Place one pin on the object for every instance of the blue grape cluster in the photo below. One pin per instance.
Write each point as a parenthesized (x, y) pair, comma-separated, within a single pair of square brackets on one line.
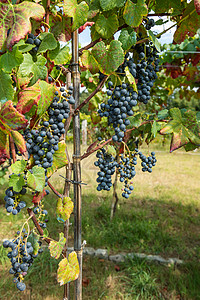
[(13, 203), (33, 40), (126, 169), (21, 257), (147, 162), (149, 23), (42, 213), (122, 99), (42, 143), (107, 166)]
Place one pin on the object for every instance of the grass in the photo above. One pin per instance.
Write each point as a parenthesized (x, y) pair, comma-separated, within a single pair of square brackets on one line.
[(161, 217)]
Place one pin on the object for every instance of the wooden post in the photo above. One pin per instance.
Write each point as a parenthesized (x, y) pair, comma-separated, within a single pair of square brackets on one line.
[(84, 132)]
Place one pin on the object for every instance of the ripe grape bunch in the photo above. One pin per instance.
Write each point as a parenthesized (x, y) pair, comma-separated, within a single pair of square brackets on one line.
[(119, 106), (43, 142), (21, 257), (13, 203), (33, 40), (107, 165), (42, 213), (143, 63)]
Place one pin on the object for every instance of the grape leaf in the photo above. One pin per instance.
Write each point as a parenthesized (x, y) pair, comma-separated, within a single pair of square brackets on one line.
[(68, 269), (60, 56), (64, 208), (39, 196), (189, 25), (33, 239), (28, 97), (111, 150), (127, 39), (56, 248), (47, 94), (110, 4), (6, 88), (23, 47), (77, 11), (166, 5), (16, 182), (59, 159), (197, 6), (131, 79), (106, 26), (36, 179), (181, 129), (89, 62), (10, 118), (19, 166), (19, 141), (4, 147), (48, 42), (134, 13), (108, 59), (37, 69), (17, 19), (154, 40), (10, 60)]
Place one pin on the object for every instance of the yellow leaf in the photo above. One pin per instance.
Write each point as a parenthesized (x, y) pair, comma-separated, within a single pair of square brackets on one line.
[(68, 269)]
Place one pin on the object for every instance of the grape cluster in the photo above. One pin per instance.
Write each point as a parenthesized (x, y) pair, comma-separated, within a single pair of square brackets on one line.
[(33, 40), (42, 213), (147, 162), (126, 169), (119, 106), (149, 23), (13, 203), (107, 165), (21, 257), (42, 143)]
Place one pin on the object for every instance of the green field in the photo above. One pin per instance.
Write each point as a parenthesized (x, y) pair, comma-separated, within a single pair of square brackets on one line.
[(161, 217)]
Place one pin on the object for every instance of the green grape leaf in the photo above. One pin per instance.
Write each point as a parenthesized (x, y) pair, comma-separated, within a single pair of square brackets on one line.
[(10, 118), (111, 150), (111, 4), (17, 19), (154, 40), (45, 233), (33, 239), (23, 47), (89, 62), (107, 26), (134, 12), (127, 40), (47, 94), (166, 5), (36, 179), (108, 59), (19, 166), (4, 147), (78, 12), (59, 159), (16, 182), (68, 269), (37, 70), (6, 89), (163, 114), (48, 42), (189, 25), (56, 248), (28, 97), (19, 141), (184, 129), (60, 56), (131, 79), (10, 60), (64, 208)]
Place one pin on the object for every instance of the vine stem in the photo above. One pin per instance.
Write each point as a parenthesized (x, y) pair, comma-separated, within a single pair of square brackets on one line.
[(91, 95), (32, 215), (54, 190), (12, 146)]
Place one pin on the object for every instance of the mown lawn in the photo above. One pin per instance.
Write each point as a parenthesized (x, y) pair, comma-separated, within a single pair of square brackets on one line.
[(161, 217)]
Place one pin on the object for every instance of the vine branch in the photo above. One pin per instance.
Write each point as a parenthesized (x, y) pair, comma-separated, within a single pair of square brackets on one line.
[(91, 95), (12, 146), (54, 190)]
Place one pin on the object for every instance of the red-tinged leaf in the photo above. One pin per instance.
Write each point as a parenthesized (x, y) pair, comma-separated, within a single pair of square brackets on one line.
[(10, 118), (56, 248), (4, 147), (28, 97), (92, 146), (19, 141), (197, 6), (82, 28), (189, 25), (38, 197), (47, 94), (17, 19), (191, 72), (68, 269), (178, 140)]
